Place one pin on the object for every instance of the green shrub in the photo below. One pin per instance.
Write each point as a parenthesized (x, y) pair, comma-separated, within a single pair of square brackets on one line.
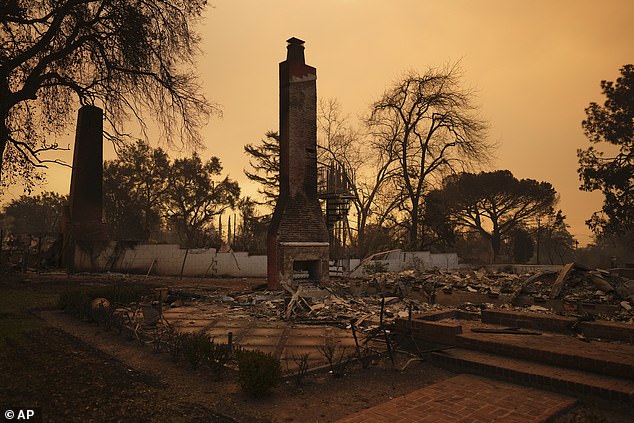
[(194, 348), (259, 372), (217, 357), (175, 341), (199, 351)]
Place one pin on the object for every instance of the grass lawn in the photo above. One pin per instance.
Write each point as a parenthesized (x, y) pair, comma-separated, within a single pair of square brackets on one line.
[(16, 304)]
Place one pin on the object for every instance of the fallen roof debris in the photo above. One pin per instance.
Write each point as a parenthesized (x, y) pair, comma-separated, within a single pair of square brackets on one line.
[(574, 290)]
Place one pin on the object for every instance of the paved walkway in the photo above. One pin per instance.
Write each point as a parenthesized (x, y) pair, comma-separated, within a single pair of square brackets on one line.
[(467, 398), (284, 340)]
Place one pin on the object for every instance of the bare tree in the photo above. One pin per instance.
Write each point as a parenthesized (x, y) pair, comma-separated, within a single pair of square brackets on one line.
[(338, 140), (131, 58), (430, 126), (366, 163)]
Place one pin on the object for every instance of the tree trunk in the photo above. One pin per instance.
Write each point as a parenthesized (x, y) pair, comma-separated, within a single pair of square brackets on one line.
[(362, 217), (495, 243), (4, 131), (4, 115), (3, 145), (413, 230), (361, 247)]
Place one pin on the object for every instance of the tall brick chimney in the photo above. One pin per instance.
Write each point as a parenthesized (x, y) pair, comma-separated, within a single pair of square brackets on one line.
[(297, 243), (86, 192), (83, 216)]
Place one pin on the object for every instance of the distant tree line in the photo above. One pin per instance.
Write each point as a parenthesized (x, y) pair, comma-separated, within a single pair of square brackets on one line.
[(29, 224), (34, 215), (146, 195)]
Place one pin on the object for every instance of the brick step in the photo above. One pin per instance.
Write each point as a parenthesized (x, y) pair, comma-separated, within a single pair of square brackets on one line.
[(613, 331), (558, 350), (536, 374)]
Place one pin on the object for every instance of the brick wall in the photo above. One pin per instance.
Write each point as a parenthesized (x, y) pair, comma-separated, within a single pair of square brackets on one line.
[(430, 331), (547, 322), (614, 331)]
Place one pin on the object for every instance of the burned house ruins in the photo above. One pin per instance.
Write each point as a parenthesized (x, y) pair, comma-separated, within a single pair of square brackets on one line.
[(297, 241)]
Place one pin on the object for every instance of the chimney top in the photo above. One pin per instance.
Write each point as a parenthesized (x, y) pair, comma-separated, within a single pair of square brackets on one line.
[(295, 40), (295, 50)]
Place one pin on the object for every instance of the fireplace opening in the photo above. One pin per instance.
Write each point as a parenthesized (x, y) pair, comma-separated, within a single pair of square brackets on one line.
[(307, 270)]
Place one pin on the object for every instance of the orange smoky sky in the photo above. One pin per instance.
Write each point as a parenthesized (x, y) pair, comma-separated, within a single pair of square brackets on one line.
[(534, 65)]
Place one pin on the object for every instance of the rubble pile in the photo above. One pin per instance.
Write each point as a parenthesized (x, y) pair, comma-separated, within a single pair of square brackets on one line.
[(538, 285), (360, 300), (423, 285), (598, 286), (337, 304), (334, 305), (532, 291), (477, 281)]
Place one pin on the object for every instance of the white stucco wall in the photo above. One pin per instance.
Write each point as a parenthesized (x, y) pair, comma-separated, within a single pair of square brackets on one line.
[(168, 260), (396, 261)]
